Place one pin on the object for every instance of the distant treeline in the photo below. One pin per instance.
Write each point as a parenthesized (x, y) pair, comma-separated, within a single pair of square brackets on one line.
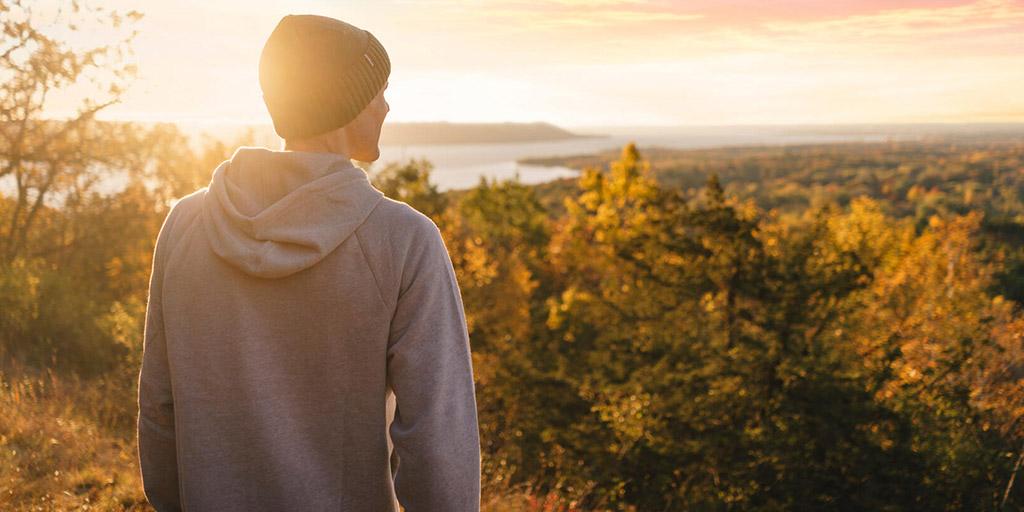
[(915, 180), (968, 175)]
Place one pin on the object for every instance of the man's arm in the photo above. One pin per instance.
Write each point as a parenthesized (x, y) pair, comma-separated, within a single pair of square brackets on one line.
[(157, 450), (435, 431)]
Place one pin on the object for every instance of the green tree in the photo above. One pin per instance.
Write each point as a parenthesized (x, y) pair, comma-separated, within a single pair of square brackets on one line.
[(410, 183)]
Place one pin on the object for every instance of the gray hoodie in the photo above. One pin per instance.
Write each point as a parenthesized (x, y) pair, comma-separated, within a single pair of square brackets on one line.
[(305, 348)]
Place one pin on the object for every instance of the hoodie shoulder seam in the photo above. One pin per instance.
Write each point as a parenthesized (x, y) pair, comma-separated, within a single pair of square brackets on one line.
[(180, 209), (369, 264)]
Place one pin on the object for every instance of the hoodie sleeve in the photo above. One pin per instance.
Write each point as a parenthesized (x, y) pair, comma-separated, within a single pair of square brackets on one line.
[(157, 450), (435, 431)]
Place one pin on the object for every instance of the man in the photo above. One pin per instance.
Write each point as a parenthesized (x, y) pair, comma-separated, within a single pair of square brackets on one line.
[(291, 306)]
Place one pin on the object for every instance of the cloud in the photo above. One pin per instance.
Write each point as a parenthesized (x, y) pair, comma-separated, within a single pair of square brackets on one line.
[(595, 18), (621, 61), (569, 14), (593, 3)]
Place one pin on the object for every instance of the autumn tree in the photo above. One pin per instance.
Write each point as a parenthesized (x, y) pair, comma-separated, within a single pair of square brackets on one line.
[(49, 160), (69, 184), (718, 354), (409, 182)]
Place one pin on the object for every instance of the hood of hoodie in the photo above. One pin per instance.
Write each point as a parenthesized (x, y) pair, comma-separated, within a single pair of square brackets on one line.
[(274, 213)]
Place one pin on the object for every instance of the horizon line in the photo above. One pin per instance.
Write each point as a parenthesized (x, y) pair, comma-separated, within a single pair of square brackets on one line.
[(880, 123)]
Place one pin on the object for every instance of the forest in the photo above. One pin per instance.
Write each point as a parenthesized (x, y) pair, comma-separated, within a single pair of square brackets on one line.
[(833, 327)]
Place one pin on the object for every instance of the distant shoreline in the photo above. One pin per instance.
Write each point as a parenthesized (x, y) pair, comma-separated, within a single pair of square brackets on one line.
[(402, 134), (653, 152), (431, 133), (445, 133)]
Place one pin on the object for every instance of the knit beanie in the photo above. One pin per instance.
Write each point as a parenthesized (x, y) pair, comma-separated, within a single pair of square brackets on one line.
[(318, 73)]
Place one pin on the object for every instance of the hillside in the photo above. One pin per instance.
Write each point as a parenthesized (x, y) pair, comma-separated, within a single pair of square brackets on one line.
[(471, 133)]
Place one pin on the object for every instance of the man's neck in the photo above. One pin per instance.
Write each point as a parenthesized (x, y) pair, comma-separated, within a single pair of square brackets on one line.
[(335, 145)]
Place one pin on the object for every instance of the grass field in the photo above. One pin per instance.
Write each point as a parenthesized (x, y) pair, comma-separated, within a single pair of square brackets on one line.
[(68, 444)]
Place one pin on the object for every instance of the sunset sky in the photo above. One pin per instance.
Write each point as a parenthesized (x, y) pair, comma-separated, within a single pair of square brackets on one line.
[(611, 62)]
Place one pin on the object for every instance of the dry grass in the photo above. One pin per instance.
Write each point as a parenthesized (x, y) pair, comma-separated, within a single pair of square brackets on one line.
[(69, 444), (524, 499), (65, 445)]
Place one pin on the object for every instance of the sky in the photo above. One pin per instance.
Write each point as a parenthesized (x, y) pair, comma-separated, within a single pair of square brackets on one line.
[(607, 62)]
